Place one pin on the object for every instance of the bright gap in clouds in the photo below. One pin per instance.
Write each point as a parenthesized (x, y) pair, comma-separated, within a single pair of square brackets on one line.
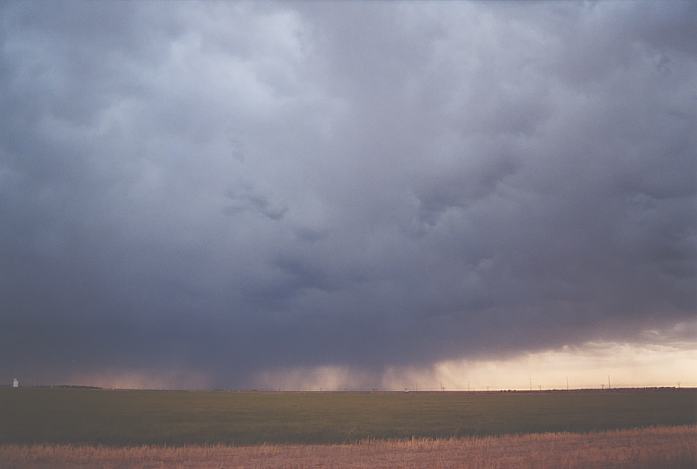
[(657, 358), (586, 366)]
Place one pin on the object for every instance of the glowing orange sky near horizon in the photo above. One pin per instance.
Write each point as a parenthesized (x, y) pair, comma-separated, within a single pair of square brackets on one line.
[(589, 366), (586, 366)]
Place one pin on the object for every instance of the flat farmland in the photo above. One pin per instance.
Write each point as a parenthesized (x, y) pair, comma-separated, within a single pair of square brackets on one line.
[(645, 448), (176, 418)]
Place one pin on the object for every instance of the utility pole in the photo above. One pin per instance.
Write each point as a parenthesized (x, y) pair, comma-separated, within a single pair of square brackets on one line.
[(567, 383), (608, 382)]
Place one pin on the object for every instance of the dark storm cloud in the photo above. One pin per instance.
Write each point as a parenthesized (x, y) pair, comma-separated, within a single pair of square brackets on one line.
[(230, 188)]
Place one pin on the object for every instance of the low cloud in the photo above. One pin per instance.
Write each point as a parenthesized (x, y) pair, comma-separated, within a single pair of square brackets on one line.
[(230, 190)]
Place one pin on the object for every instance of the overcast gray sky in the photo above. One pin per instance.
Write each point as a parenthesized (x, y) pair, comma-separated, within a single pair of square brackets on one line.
[(229, 188)]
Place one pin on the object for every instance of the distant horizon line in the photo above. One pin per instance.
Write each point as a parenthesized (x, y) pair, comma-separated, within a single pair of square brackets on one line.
[(485, 389)]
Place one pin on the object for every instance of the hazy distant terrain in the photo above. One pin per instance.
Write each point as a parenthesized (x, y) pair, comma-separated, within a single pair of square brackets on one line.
[(105, 417)]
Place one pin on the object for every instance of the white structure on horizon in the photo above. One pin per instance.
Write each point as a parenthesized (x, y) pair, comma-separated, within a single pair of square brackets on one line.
[(15, 383)]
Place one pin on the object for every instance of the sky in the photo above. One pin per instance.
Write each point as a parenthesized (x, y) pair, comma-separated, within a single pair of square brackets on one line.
[(348, 194)]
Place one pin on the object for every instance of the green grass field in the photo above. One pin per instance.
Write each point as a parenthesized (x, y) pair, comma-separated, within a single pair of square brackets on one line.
[(60, 415)]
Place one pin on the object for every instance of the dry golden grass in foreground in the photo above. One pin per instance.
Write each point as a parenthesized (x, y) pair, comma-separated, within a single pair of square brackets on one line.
[(674, 447)]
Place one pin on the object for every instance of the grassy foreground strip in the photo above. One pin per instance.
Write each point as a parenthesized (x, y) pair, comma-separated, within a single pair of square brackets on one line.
[(674, 447), (132, 418)]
